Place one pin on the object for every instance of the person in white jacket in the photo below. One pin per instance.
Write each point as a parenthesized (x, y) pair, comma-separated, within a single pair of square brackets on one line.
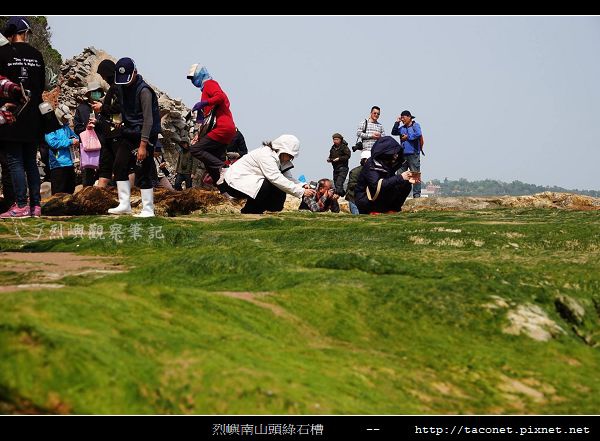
[(263, 177)]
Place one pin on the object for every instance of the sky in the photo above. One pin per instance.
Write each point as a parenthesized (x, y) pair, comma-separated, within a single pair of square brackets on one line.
[(497, 97)]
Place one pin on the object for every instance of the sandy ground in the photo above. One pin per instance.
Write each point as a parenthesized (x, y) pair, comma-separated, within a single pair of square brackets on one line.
[(44, 270)]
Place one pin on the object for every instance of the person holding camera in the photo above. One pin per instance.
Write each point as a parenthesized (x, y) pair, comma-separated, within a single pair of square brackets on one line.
[(369, 131), (379, 189), (325, 198), (22, 64), (339, 154), (263, 177)]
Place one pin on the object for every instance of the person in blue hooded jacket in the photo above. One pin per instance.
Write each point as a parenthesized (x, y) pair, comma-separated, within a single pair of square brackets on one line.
[(60, 141), (379, 189)]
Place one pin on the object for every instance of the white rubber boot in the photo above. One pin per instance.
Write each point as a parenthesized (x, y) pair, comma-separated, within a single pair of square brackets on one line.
[(147, 203), (124, 206)]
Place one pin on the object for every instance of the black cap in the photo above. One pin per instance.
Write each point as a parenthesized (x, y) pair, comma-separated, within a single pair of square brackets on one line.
[(15, 25), (124, 70), (407, 113)]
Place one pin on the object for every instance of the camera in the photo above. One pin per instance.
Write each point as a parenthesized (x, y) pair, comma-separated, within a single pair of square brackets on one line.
[(358, 146), (313, 185)]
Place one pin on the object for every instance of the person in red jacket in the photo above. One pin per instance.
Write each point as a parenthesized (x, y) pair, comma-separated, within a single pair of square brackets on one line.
[(210, 149)]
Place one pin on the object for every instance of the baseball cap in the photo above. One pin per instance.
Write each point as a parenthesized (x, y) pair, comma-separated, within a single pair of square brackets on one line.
[(16, 24), (124, 70)]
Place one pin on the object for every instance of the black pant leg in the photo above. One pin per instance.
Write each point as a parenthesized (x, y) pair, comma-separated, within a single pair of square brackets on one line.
[(339, 177), (211, 154), (269, 198)]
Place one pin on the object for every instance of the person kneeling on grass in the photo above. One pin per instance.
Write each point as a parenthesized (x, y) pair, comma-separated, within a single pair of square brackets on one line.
[(379, 189), (263, 177)]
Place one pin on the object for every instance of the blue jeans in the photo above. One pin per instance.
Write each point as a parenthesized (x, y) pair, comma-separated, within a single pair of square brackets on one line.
[(412, 163), (21, 161), (353, 208)]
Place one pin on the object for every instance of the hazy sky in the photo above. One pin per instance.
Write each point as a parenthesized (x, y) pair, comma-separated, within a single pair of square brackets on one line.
[(507, 98)]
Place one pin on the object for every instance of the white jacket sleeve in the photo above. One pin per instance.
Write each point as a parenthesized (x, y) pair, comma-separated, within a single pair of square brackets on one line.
[(270, 169)]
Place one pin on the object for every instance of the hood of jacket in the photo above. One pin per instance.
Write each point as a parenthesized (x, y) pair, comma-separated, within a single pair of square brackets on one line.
[(385, 146), (287, 144)]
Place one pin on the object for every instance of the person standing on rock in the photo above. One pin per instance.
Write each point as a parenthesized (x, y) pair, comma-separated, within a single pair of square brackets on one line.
[(141, 126), (410, 137), (22, 64), (211, 147), (186, 165), (87, 117), (11, 93), (109, 121), (339, 155), (60, 142)]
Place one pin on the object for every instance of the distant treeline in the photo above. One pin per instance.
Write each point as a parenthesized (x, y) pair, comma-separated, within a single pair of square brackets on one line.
[(490, 187)]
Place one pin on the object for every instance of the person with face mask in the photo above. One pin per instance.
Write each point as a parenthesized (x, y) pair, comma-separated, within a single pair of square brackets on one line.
[(86, 117), (22, 64), (263, 176), (379, 189), (139, 134), (210, 149)]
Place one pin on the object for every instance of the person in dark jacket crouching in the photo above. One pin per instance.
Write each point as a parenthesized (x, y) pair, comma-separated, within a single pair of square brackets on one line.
[(379, 189)]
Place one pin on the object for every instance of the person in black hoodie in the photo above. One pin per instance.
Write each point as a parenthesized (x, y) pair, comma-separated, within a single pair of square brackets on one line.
[(339, 156), (24, 65), (110, 122), (379, 189)]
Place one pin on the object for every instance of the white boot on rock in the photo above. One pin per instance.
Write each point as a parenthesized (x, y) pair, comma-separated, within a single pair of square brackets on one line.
[(147, 203), (124, 206)]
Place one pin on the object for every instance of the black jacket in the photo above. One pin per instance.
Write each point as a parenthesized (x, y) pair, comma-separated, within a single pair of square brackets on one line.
[(82, 116), (375, 169), (238, 144), (342, 152), (32, 75)]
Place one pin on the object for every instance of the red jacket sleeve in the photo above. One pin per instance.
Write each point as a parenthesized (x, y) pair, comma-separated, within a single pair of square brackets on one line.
[(212, 93)]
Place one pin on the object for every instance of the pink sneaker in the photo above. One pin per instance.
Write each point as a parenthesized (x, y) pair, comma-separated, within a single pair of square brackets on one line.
[(15, 211), (36, 211)]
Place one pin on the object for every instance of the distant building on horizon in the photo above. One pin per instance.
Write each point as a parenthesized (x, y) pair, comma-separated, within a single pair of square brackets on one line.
[(430, 190)]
